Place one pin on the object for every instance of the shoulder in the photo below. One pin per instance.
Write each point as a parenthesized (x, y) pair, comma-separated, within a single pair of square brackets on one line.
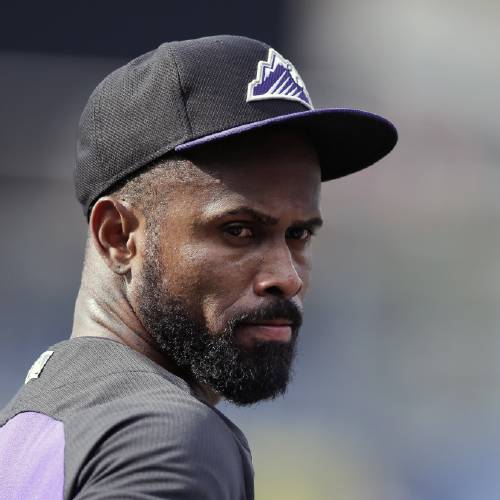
[(150, 408), (162, 442), (158, 437), (133, 430)]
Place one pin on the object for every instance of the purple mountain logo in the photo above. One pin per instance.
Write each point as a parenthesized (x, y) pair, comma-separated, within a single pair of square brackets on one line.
[(277, 79)]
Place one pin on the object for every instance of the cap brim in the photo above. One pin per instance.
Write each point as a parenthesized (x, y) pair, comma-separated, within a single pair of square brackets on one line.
[(347, 140)]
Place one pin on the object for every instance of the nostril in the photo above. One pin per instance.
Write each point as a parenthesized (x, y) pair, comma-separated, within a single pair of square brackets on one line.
[(274, 290)]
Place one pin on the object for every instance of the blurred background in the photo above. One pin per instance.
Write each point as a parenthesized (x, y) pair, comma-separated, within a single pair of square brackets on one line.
[(396, 389)]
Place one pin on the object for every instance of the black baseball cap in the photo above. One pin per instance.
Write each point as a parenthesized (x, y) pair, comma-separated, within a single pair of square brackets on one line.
[(185, 94)]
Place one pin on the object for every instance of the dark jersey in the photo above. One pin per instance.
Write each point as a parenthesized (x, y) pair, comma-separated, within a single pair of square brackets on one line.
[(98, 420)]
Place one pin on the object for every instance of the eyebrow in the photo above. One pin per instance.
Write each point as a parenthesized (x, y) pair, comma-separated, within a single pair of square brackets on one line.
[(268, 220)]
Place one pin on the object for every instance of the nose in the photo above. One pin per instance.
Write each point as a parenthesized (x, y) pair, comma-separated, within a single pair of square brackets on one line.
[(278, 276)]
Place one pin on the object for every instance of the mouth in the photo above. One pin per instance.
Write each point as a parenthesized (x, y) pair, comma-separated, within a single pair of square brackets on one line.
[(275, 330)]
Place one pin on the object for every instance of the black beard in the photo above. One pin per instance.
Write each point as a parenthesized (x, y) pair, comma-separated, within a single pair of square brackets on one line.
[(214, 358)]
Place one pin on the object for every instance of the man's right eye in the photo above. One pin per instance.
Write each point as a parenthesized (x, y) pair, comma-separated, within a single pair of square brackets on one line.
[(239, 231)]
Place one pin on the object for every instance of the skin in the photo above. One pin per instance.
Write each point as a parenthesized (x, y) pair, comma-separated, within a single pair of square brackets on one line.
[(234, 236)]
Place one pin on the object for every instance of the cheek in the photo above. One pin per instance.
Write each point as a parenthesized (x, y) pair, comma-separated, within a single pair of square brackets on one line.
[(224, 294), (227, 288), (209, 280)]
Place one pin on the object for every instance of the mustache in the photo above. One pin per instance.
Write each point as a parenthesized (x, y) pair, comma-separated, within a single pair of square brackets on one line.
[(277, 309)]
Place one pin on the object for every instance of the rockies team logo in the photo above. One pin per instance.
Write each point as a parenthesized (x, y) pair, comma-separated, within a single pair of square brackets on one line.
[(278, 79)]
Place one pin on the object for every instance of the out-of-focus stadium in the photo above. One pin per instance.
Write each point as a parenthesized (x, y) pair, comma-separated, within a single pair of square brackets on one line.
[(395, 394)]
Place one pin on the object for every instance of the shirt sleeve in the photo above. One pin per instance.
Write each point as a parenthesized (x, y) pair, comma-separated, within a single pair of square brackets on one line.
[(153, 455)]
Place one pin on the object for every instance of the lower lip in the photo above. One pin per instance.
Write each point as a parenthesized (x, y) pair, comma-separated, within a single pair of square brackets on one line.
[(277, 333)]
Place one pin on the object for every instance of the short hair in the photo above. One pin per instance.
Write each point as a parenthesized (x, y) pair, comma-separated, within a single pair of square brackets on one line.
[(146, 191), (143, 189)]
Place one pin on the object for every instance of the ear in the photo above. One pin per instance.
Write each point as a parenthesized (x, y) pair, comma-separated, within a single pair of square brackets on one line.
[(113, 225)]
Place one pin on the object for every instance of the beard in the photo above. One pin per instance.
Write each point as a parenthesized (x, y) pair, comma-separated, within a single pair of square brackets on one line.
[(214, 358)]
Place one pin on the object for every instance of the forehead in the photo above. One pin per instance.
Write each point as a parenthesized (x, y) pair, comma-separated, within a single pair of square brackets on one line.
[(268, 168)]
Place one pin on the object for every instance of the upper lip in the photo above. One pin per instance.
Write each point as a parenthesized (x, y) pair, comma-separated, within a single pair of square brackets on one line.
[(272, 322)]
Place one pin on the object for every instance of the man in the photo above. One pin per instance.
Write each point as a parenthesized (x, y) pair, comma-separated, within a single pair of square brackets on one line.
[(199, 167)]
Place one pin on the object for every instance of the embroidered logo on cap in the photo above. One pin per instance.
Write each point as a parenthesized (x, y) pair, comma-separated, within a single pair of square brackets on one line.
[(38, 366), (277, 79)]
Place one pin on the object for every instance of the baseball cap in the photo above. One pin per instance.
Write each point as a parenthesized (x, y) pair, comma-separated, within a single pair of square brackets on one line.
[(185, 94)]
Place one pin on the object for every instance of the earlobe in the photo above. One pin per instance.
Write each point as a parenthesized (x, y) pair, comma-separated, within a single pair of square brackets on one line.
[(113, 226)]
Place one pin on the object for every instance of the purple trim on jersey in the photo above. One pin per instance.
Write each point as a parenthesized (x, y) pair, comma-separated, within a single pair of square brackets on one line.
[(32, 458), (279, 119)]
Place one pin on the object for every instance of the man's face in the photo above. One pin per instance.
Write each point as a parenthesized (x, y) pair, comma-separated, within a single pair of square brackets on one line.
[(224, 277)]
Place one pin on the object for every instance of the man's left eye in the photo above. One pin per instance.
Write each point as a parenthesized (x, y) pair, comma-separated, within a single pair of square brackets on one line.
[(298, 233)]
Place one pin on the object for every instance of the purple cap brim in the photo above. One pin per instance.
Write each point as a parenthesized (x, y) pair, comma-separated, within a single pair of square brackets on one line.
[(347, 140)]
